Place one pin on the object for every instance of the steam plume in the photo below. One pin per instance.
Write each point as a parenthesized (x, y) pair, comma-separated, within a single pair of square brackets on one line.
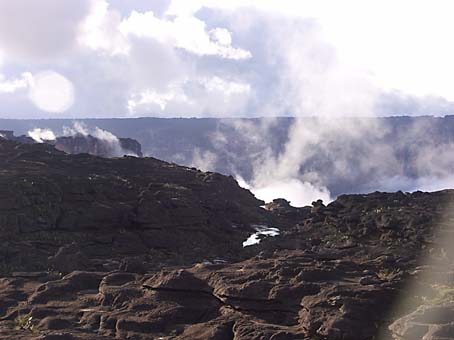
[(41, 135)]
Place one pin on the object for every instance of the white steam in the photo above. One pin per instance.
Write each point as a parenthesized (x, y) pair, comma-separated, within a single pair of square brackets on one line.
[(316, 83), (78, 129), (205, 161), (326, 149), (323, 157), (297, 192), (109, 139), (41, 135)]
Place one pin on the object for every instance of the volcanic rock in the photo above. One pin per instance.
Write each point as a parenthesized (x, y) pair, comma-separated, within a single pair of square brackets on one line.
[(136, 248)]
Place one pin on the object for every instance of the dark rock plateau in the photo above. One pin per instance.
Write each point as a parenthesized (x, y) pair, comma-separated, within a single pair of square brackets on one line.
[(97, 147), (137, 248), (79, 143)]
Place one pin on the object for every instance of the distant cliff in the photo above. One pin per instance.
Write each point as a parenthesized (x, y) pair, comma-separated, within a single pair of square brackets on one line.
[(98, 147), (79, 143), (392, 153)]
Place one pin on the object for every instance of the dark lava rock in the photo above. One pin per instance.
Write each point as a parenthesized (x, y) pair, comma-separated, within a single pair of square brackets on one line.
[(73, 208), (129, 248)]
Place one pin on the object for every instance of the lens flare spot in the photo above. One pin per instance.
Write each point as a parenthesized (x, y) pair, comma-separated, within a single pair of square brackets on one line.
[(51, 92)]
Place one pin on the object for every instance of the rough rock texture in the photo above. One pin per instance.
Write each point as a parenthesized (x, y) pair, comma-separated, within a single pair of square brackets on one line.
[(130, 248), (111, 210)]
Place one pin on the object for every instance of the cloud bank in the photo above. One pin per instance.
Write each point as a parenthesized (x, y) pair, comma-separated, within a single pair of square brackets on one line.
[(228, 58)]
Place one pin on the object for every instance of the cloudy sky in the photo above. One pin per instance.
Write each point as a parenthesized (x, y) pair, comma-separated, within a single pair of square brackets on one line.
[(216, 58)]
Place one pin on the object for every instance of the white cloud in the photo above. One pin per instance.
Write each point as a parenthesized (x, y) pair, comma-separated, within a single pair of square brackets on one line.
[(296, 57), (40, 31), (100, 30), (155, 65), (13, 85), (199, 97), (186, 32), (401, 45), (229, 88), (222, 36), (161, 99)]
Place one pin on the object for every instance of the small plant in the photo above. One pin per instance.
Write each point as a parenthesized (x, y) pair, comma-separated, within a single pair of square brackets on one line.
[(25, 323), (335, 237), (387, 274)]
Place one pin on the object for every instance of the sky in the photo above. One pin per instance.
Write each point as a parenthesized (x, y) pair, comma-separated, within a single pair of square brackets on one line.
[(225, 58)]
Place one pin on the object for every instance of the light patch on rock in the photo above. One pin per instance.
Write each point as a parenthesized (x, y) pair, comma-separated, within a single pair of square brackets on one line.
[(260, 230)]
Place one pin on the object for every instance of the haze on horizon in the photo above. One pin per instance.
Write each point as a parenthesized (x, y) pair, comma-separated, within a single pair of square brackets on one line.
[(206, 58)]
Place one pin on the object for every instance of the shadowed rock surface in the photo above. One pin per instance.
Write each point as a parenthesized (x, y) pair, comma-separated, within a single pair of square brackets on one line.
[(137, 248)]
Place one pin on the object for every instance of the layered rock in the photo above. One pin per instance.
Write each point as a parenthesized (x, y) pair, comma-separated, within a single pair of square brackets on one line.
[(130, 248), (111, 208)]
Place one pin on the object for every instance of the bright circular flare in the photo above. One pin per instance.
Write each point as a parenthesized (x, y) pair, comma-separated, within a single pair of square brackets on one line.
[(51, 92)]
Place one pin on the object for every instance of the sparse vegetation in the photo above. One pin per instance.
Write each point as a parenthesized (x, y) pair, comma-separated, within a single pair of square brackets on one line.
[(388, 274), (335, 237), (25, 323)]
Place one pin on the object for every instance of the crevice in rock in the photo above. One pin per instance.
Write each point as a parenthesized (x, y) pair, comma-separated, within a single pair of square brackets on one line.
[(222, 302)]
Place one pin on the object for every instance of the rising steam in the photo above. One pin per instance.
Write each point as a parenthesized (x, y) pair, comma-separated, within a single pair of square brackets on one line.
[(41, 135), (110, 142), (327, 152)]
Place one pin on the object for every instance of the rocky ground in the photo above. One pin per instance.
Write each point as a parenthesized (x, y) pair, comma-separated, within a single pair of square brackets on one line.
[(129, 248)]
